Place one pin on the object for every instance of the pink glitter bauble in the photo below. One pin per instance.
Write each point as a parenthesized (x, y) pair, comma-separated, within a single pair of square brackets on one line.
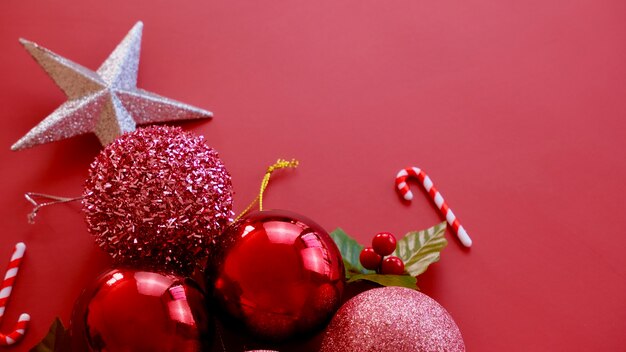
[(156, 198), (392, 319)]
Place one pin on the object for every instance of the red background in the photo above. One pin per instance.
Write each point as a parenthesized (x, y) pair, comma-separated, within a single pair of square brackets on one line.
[(515, 108)]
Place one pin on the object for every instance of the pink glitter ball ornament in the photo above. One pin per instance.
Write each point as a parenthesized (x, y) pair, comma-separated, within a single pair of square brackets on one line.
[(156, 198), (392, 319)]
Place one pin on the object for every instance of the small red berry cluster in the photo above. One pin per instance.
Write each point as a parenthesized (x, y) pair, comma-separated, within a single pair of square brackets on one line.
[(383, 244)]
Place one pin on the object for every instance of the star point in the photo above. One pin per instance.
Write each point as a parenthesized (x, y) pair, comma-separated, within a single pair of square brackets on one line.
[(105, 102)]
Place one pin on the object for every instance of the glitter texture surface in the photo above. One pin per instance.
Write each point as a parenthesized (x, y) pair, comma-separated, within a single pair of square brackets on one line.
[(106, 102), (156, 198), (392, 319)]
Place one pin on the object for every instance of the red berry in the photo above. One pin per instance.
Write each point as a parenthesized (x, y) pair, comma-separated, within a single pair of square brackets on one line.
[(392, 266), (370, 259), (384, 243)]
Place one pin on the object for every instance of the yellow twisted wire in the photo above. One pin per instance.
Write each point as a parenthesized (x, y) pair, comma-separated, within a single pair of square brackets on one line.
[(279, 164)]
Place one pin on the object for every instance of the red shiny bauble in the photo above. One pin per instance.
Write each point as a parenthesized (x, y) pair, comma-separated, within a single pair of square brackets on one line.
[(130, 310), (278, 273)]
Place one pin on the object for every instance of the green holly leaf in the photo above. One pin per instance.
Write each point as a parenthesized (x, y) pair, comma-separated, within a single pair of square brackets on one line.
[(419, 249), (387, 280), (350, 250), (57, 339)]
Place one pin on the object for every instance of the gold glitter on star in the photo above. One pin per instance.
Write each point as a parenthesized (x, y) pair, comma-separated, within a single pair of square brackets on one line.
[(106, 102)]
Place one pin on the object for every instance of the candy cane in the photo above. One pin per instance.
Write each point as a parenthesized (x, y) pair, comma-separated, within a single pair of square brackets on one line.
[(403, 189), (5, 291)]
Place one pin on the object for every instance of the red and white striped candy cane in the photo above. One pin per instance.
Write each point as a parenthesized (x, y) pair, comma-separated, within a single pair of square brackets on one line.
[(5, 291), (403, 188)]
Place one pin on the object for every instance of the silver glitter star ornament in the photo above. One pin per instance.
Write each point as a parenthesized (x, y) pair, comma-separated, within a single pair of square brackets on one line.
[(106, 102)]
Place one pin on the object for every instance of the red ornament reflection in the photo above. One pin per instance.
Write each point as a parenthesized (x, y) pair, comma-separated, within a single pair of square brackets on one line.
[(278, 273), (128, 310)]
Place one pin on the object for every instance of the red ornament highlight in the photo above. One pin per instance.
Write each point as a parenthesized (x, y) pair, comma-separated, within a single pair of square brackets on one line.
[(155, 198), (130, 310), (278, 273)]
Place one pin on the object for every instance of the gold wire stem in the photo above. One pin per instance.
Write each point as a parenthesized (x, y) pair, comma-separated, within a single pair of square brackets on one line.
[(279, 164)]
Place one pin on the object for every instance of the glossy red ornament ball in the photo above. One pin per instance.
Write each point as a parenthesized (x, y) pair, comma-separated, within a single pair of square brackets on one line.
[(392, 266), (277, 273), (370, 259), (384, 243), (129, 310)]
